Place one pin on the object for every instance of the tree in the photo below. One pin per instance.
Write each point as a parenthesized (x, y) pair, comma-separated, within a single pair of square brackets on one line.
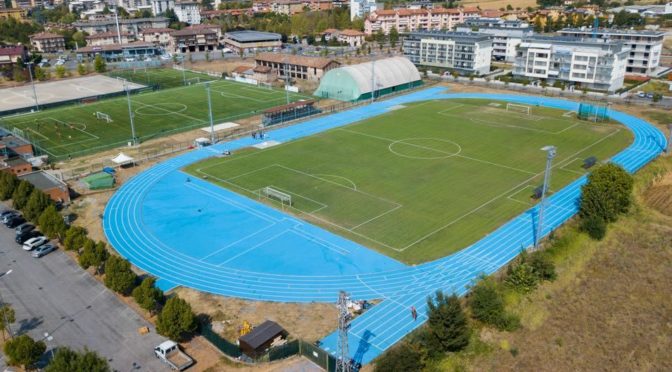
[(176, 319), (51, 223), (37, 203), (7, 317), (8, 183), (99, 64), (594, 226), (522, 277), (394, 37), (93, 254), (67, 360), (487, 305), (60, 71), (118, 275), (542, 265), (147, 295), (39, 73), (75, 238), (24, 351), (21, 194), (380, 37), (448, 328), (538, 25), (81, 69), (607, 194), (404, 357)]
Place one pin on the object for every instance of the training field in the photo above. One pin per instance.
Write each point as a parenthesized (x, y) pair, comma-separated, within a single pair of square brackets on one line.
[(421, 181), (75, 130), (59, 91), (162, 78)]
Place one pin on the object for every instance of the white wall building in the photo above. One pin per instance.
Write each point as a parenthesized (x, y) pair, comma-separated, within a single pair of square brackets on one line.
[(358, 8), (188, 12), (645, 47), (161, 6), (505, 35), (467, 53), (592, 63)]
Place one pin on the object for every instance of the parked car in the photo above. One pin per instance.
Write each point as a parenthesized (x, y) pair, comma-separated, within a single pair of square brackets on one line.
[(649, 95), (129, 59), (60, 62), (43, 250), (9, 215), (166, 57), (8, 212), (35, 242), (15, 221), (22, 238), (169, 352), (24, 227)]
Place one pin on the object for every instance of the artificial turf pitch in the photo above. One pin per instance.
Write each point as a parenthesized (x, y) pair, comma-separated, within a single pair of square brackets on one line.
[(422, 181), (161, 78), (72, 131)]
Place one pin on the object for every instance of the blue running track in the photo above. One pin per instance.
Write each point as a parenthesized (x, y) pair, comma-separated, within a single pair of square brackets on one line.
[(191, 233)]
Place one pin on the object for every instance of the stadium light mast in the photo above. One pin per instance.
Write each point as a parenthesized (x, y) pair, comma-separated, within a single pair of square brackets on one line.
[(343, 362), (212, 123), (373, 79), (284, 60), (550, 154), (5, 323), (32, 83), (116, 20), (130, 112)]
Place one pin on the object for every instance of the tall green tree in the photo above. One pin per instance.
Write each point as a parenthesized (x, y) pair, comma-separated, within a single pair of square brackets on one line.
[(75, 238), (394, 37), (8, 183), (21, 194), (99, 64), (68, 360), (448, 327), (403, 357), (147, 295), (176, 320), (37, 203), (24, 351), (607, 194), (93, 255), (52, 224), (118, 275), (7, 317)]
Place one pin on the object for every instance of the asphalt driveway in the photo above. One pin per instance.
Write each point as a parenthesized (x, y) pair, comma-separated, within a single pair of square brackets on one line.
[(53, 294)]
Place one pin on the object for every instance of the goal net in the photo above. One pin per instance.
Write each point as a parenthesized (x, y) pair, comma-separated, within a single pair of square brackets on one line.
[(103, 116), (275, 194), (518, 108)]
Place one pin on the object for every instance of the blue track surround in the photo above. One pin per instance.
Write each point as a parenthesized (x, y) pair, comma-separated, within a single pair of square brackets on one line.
[(189, 232)]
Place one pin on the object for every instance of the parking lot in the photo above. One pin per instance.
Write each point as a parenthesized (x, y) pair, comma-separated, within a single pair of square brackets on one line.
[(54, 295)]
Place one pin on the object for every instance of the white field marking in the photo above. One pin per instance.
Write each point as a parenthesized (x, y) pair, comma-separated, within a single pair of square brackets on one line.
[(74, 127), (248, 173), (514, 114), (38, 133), (495, 164), (571, 170), (494, 104), (260, 90), (512, 196), (375, 218), (444, 156), (322, 205), (569, 113), (237, 96), (324, 243), (273, 224), (282, 232), (158, 106), (171, 112), (354, 186), (451, 108)]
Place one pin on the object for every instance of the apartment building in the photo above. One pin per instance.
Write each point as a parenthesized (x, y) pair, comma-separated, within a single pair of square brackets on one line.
[(194, 40), (359, 8), (411, 20), (18, 14), (249, 40), (46, 42), (110, 38), (465, 52), (505, 35), (157, 36), (135, 5), (188, 12), (161, 6), (133, 26), (297, 67), (644, 47), (354, 38), (591, 63)]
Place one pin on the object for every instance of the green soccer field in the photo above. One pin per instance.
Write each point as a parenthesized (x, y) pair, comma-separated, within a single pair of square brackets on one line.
[(163, 78), (423, 181), (75, 130)]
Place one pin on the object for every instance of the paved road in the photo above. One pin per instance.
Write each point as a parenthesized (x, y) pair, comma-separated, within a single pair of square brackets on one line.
[(53, 294)]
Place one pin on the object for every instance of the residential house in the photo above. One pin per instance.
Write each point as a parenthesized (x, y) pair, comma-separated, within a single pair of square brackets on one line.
[(296, 67), (411, 20), (47, 42), (109, 38), (157, 36), (351, 37)]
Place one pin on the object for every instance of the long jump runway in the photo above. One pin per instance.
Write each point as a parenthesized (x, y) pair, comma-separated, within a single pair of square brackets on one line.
[(189, 232)]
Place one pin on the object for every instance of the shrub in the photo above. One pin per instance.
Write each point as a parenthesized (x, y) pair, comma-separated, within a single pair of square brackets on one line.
[(93, 255), (51, 223), (594, 226), (448, 328), (99, 64), (67, 360), (607, 194), (118, 275), (147, 295), (542, 265), (24, 351), (176, 319), (521, 277), (404, 357), (487, 305), (75, 238)]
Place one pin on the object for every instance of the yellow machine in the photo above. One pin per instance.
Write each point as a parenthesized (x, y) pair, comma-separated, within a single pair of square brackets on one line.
[(246, 328)]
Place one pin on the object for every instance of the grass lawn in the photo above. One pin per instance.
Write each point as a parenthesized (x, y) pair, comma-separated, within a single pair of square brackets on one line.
[(420, 182), (163, 78), (74, 130), (659, 87)]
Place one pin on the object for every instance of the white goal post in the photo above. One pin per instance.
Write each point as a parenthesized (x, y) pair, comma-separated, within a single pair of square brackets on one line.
[(272, 193), (518, 108), (103, 116)]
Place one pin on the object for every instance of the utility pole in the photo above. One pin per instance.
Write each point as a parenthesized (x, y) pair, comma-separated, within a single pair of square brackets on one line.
[(116, 20), (5, 323), (212, 124), (373, 79), (130, 112), (669, 139), (32, 83), (343, 362), (286, 79), (550, 154)]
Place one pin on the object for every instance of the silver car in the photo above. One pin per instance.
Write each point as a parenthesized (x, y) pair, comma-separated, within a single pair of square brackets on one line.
[(43, 250)]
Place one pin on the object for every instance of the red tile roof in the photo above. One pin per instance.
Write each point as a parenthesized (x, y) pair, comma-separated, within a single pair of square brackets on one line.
[(45, 35)]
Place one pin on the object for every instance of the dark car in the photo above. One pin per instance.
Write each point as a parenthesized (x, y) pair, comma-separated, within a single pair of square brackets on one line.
[(24, 227), (7, 212), (15, 221), (43, 250), (21, 238), (8, 215)]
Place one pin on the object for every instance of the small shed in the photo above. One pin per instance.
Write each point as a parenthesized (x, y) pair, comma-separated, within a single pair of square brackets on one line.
[(98, 181), (260, 338)]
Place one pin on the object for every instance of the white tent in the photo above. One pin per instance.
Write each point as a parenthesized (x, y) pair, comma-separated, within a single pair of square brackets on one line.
[(122, 159)]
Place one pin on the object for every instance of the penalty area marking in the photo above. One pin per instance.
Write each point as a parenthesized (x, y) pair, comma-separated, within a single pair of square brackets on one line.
[(167, 107), (444, 154)]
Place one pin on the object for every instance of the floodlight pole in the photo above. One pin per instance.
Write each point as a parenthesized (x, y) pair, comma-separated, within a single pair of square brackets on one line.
[(5, 323), (550, 154), (286, 79), (373, 79), (212, 124), (116, 20), (184, 75), (669, 139), (130, 112), (32, 83)]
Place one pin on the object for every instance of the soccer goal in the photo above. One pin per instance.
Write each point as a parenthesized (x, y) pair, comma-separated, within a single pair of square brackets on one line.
[(103, 116), (518, 108), (282, 197), (263, 85)]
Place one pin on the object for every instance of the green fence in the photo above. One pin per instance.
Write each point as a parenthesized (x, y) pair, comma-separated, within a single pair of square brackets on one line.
[(220, 343)]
